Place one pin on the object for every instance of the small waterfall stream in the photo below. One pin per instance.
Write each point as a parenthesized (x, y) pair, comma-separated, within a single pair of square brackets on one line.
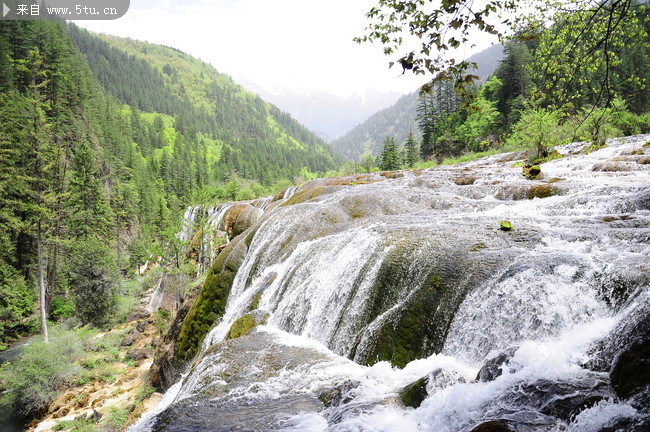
[(360, 272)]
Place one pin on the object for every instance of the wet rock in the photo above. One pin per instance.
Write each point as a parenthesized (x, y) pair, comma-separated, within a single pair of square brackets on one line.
[(140, 327), (465, 180), (246, 323), (340, 394), (237, 364), (250, 415), (493, 426), (239, 218), (211, 302), (631, 370), (558, 399), (416, 315), (625, 354), (414, 394), (544, 190), (493, 368), (613, 166)]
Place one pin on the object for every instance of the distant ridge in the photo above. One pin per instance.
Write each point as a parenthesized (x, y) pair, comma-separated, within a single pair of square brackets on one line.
[(399, 119)]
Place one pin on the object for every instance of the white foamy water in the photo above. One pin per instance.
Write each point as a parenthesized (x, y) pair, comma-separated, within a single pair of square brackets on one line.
[(545, 294)]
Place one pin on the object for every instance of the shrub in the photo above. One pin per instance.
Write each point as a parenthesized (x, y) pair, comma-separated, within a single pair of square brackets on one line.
[(62, 308), (32, 382), (115, 420), (540, 129)]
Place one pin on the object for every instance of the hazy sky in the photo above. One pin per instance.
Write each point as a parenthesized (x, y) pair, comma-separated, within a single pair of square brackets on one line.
[(298, 44)]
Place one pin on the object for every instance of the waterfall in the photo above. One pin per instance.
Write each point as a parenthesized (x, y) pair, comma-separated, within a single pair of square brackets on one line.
[(516, 328)]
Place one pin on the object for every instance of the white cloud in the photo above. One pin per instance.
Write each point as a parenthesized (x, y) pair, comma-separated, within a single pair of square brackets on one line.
[(299, 44)]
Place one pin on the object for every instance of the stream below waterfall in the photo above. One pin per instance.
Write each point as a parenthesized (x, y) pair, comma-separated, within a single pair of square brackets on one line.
[(397, 304)]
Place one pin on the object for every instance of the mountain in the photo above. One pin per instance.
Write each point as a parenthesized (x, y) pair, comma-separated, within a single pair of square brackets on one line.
[(249, 135), (103, 144), (399, 119), (329, 115)]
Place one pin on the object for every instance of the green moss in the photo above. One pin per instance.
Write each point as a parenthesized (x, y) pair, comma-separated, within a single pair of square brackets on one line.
[(256, 301), (478, 246), (356, 213), (542, 191), (242, 326), (593, 147), (286, 242), (211, 302), (411, 332), (303, 196), (531, 172), (505, 225), (413, 394), (246, 323)]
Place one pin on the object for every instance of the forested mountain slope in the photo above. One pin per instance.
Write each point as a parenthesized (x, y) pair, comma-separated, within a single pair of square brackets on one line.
[(398, 120), (253, 137), (104, 142)]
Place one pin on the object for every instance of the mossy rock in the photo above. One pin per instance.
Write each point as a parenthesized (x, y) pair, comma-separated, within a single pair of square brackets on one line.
[(392, 174), (532, 172), (256, 301), (414, 330), (542, 191), (280, 194), (505, 225), (465, 180), (303, 196), (478, 246), (339, 395), (246, 323), (211, 302), (415, 393)]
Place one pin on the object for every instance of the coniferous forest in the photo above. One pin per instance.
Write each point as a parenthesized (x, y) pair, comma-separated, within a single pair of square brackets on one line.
[(104, 144)]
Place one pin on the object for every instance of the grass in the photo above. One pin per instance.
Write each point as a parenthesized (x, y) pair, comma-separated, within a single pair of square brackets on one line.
[(468, 157)]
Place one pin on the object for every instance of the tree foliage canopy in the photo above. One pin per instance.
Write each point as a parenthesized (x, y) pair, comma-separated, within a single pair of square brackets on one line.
[(425, 33)]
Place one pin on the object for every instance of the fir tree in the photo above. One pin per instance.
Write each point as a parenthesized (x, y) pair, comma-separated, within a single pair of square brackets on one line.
[(389, 156), (412, 150)]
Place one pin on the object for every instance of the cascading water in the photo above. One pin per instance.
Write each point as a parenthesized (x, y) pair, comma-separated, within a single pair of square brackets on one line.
[(416, 271)]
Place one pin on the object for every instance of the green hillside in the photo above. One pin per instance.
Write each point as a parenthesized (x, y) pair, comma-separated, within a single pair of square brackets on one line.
[(104, 142), (244, 133)]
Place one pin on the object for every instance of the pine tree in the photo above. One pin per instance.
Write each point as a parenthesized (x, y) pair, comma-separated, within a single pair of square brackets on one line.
[(39, 141), (389, 155), (412, 150)]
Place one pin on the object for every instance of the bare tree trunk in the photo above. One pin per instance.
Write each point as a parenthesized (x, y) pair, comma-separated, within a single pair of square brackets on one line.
[(41, 282)]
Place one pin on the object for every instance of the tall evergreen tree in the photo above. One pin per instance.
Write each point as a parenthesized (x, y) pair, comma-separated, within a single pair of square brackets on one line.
[(389, 155), (412, 150), (39, 142)]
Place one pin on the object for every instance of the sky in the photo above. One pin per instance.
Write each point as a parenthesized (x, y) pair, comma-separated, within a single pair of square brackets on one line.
[(303, 45)]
